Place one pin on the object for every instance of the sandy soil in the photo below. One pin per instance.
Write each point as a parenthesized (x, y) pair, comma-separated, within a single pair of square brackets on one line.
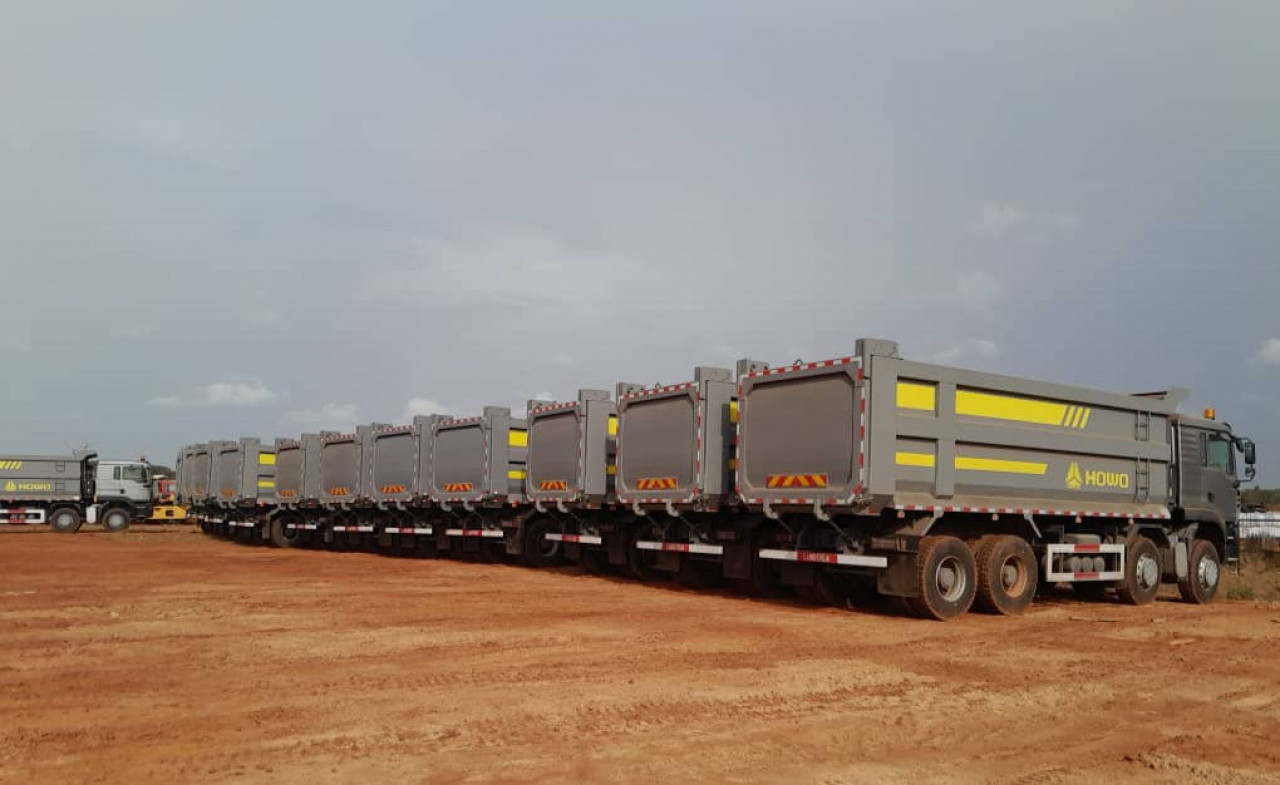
[(161, 656)]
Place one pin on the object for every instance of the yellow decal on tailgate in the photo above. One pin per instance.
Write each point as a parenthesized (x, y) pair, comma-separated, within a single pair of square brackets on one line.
[(921, 397), (517, 438), (266, 459)]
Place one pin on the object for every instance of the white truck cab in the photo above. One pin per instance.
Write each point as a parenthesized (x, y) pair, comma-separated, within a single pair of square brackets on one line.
[(124, 493)]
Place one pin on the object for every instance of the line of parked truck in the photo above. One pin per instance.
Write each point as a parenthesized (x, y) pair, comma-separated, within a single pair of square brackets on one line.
[(867, 473)]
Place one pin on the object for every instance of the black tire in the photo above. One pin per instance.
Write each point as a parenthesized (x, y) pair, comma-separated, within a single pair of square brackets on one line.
[(116, 519), (1141, 580), (1204, 572), (66, 520), (946, 578), (284, 537), (637, 565), (765, 580), (538, 550), (1007, 574)]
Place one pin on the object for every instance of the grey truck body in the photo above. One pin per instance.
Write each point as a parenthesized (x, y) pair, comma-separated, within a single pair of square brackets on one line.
[(47, 478), (243, 473), (479, 460), (571, 450)]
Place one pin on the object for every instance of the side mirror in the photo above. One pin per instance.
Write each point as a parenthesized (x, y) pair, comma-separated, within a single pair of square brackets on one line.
[(1250, 454)]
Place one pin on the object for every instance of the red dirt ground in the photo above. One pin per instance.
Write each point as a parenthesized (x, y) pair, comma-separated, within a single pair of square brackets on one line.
[(162, 656)]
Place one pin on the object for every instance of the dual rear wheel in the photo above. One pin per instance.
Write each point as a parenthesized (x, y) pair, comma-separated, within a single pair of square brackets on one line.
[(997, 573)]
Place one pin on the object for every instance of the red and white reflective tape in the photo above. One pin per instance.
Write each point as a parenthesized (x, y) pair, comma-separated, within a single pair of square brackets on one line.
[(656, 391), (474, 532), (408, 530), (819, 557), (242, 524), (1164, 515), (585, 539), (806, 367), (681, 547), (552, 407), (353, 528), (307, 526), (21, 515)]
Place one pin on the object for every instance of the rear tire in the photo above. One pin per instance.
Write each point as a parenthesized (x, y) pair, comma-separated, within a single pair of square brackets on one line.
[(284, 537), (1141, 580), (538, 550), (66, 520), (1007, 574), (1204, 570), (946, 578), (116, 519)]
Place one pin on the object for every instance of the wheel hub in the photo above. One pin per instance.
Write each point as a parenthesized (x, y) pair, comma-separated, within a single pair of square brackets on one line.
[(1147, 571), (950, 579), (1207, 572)]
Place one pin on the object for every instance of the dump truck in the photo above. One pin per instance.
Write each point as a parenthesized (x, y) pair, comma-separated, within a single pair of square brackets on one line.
[(348, 513), (241, 488), (570, 477), (477, 480), (65, 491), (294, 520), (947, 487), (399, 466)]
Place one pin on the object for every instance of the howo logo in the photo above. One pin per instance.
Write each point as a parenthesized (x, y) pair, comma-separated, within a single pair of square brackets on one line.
[(1095, 479)]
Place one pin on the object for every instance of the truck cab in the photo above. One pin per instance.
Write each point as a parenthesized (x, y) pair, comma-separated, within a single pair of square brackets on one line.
[(1208, 474), (124, 493)]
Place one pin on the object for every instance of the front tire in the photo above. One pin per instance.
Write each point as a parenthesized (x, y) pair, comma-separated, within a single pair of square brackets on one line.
[(538, 550), (1007, 574), (284, 537), (116, 520), (1204, 570), (66, 520), (946, 578), (1141, 580)]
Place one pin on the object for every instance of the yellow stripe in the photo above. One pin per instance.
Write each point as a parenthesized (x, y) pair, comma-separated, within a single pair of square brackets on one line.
[(517, 438), (613, 469), (915, 459), (515, 474), (1066, 418), (998, 465), (266, 459), (1085, 422), (1003, 407), (613, 425), (923, 397), (733, 411), (266, 483)]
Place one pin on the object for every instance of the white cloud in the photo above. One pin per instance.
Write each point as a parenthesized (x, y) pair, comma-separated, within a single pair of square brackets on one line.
[(973, 349), (978, 290), (422, 407), (222, 394), (326, 417), (1007, 220), (1268, 353)]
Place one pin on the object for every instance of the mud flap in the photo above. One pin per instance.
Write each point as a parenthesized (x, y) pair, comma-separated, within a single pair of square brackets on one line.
[(899, 578), (737, 558), (616, 543), (384, 539)]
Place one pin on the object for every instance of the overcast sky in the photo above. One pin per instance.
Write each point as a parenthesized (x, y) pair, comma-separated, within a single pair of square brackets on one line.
[(258, 218)]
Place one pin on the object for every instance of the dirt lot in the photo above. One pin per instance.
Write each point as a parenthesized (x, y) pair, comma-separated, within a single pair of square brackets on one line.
[(165, 657)]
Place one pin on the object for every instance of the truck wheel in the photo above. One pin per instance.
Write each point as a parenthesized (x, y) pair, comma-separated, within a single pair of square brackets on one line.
[(538, 550), (1203, 570), (638, 564), (946, 578), (66, 520), (1141, 573), (1006, 574), (116, 520), (284, 537)]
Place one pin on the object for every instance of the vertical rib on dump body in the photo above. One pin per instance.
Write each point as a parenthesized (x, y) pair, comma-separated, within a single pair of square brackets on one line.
[(873, 431), (479, 460), (571, 449), (675, 442)]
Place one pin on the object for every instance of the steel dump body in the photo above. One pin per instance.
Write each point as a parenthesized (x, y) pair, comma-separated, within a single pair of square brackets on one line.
[(202, 472), (345, 477), (570, 450), (674, 442), (244, 472), (46, 478), (394, 457), (873, 431), (479, 459), (290, 463)]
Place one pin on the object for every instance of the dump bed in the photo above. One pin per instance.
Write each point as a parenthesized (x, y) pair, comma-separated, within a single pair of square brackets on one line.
[(395, 460), (480, 459), (245, 472), (199, 468), (290, 463), (344, 475), (675, 442), (46, 477), (571, 447), (873, 430)]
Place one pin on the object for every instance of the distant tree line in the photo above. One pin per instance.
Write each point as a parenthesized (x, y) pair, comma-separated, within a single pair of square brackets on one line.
[(1264, 497)]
